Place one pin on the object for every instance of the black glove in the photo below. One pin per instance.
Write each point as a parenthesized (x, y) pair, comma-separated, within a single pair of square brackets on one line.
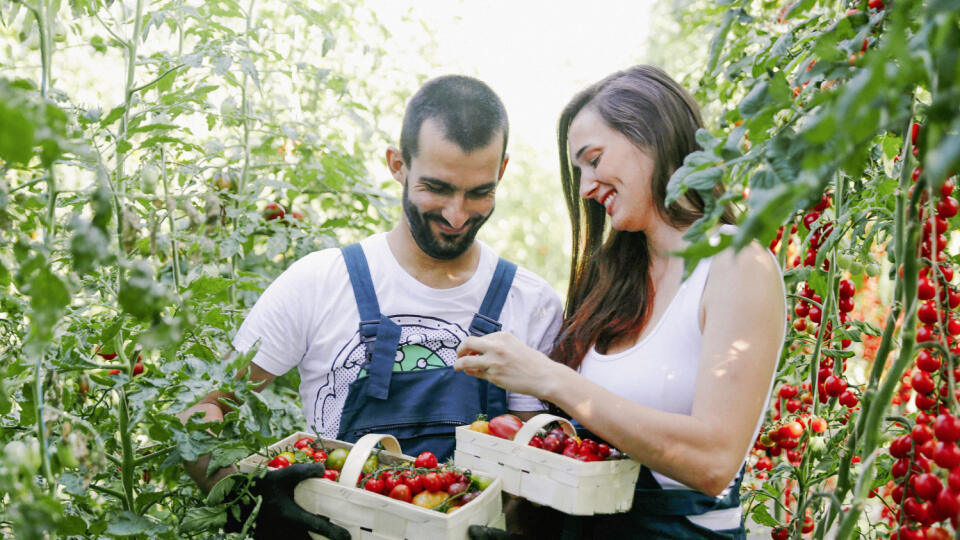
[(279, 516), (479, 532)]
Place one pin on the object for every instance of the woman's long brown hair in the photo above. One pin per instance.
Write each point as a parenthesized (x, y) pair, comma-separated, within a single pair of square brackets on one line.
[(610, 291)]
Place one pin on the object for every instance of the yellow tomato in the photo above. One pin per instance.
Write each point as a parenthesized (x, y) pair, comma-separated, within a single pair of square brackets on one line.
[(429, 499), (481, 425)]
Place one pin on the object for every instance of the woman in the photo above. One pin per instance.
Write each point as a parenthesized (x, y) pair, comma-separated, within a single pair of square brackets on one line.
[(674, 372)]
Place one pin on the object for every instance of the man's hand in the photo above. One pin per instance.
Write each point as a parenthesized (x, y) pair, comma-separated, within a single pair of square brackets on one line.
[(279, 515)]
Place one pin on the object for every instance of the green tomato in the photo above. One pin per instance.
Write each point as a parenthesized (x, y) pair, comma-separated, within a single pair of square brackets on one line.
[(856, 268), (480, 482), (873, 269), (336, 458), (844, 260), (371, 464)]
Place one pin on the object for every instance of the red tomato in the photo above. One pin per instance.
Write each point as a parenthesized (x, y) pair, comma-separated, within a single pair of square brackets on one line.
[(432, 482), (401, 492), (331, 474), (375, 485), (413, 481), (551, 443), (426, 460), (947, 207), (927, 486), (138, 368), (947, 454), (319, 456), (273, 211), (536, 441), (302, 443), (505, 426), (818, 425), (279, 462), (834, 385), (947, 427)]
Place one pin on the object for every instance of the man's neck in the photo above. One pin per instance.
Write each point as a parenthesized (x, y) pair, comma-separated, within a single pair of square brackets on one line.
[(432, 272)]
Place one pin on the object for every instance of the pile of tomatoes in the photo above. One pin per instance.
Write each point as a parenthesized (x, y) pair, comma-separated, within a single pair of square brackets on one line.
[(552, 439), (424, 483), (310, 450)]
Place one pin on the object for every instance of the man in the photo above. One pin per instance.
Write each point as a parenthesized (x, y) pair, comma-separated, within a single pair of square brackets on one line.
[(374, 327)]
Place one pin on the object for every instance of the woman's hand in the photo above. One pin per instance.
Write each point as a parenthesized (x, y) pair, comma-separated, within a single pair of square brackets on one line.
[(507, 362)]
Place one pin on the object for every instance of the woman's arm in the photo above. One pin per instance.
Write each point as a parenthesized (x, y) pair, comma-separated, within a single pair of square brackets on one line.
[(743, 328)]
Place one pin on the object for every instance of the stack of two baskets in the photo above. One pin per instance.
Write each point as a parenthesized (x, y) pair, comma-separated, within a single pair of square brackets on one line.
[(563, 483)]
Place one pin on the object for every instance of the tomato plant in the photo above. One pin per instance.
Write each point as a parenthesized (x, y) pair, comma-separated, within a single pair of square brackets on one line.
[(834, 128)]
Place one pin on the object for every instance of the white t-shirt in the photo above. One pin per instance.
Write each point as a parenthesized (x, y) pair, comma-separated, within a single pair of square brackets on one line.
[(308, 318)]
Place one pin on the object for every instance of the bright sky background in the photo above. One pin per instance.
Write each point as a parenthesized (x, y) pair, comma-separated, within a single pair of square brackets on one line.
[(535, 53)]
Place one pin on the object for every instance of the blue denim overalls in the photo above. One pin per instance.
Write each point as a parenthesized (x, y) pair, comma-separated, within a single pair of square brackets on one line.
[(656, 512), (420, 408)]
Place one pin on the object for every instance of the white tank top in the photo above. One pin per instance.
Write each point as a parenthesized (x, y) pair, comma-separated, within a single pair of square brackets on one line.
[(660, 371)]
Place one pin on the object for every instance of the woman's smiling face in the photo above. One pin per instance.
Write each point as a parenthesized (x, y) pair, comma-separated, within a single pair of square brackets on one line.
[(613, 171)]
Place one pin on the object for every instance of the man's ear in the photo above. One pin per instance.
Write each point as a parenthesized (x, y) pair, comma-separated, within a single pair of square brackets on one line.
[(396, 164), (503, 166)]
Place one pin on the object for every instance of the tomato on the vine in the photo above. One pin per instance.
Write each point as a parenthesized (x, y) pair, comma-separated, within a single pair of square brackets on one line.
[(426, 460)]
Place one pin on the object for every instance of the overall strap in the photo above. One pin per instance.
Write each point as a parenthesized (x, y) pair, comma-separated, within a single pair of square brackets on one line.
[(487, 320), (374, 326)]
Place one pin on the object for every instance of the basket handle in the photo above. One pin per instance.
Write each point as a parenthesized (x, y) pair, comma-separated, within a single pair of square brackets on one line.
[(535, 424), (353, 465)]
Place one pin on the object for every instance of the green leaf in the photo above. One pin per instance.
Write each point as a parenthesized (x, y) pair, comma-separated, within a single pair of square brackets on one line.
[(225, 456), (203, 517), (112, 116), (16, 133), (761, 516), (755, 99), (128, 524)]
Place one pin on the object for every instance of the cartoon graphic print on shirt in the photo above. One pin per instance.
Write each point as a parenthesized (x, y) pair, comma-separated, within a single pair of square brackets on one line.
[(425, 343)]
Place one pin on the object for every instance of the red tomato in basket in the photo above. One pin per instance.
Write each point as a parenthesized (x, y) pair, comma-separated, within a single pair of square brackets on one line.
[(447, 478), (432, 482), (505, 426), (279, 462), (413, 481), (303, 442), (536, 441), (375, 485), (401, 492), (426, 460), (331, 474), (551, 443)]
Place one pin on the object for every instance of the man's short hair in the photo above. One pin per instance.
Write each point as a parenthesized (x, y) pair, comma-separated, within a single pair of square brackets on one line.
[(468, 110)]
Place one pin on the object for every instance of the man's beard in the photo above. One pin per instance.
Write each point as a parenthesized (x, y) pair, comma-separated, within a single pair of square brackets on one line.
[(439, 246)]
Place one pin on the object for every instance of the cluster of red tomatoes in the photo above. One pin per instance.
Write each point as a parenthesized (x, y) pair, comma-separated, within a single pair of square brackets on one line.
[(137, 367), (552, 439), (923, 495), (786, 438), (426, 484)]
